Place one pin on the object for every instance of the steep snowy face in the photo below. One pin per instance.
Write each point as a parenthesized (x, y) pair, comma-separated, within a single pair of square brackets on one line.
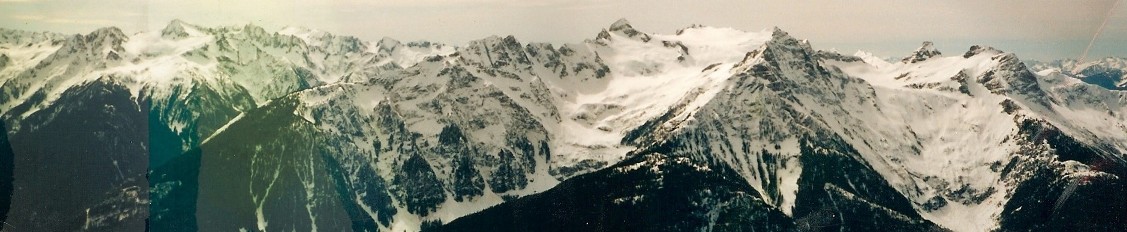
[(646, 73), (406, 55), (952, 121), (21, 50), (479, 145), (871, 59), (266, 65), (986, 73), (968, 113), (910, 125), (349, 59), (589, 95), (1087, 112), (75, 60), (776, 99)]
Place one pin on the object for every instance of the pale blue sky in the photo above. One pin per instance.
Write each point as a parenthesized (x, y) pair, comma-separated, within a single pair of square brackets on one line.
[(1033, 29)]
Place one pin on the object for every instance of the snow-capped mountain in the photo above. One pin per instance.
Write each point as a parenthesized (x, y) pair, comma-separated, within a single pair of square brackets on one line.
[(1110, 72), (236, 128)]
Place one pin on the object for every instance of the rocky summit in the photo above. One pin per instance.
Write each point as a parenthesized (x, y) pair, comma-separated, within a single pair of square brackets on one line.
[(239, 128)]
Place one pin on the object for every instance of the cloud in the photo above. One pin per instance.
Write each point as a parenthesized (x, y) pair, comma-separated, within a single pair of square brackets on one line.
[(464, 3), (64, 20)]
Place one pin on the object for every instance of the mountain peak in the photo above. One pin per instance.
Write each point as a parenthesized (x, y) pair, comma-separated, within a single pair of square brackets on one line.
[(176, 22), (871, 59), (780, 48), (620, 25), (387, 44), (309, 36), (109, 31), (112, 35), (290, 30), (927, 50), (691, 26), (623, 27), (101, 41), (300, 32), (496, 42), (778, 35), (175, 30), (778, 32), (979, 49), (254, 30)]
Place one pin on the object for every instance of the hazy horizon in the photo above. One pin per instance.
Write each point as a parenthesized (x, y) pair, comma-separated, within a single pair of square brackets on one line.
[(1036, 30)]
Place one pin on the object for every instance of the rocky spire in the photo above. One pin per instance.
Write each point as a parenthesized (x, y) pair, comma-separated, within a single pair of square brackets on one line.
[(106, 37), (776, 32), (926, 51), (623, 27), (388, 44), (979, 49), (174, 30)]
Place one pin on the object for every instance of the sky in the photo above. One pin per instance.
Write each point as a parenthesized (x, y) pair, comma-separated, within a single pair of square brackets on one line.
[(1036, 29)]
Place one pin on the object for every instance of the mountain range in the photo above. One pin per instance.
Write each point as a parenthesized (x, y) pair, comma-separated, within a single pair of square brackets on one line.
[(1110, 72), (195, 128)]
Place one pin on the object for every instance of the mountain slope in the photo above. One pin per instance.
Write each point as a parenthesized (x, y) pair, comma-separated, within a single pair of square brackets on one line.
[(97, 180), (7, 169), (244, 192), (648, 192)]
